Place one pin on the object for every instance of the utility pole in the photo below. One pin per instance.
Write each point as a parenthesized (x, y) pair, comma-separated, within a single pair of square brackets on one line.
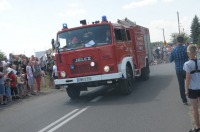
[(178, 23), (163, 34), (164, 42)]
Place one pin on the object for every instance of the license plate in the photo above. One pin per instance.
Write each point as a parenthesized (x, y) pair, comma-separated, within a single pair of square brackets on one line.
[(84, 79)]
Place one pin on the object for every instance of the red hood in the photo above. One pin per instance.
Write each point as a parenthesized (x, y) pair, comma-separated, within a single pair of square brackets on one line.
[(76, 63)]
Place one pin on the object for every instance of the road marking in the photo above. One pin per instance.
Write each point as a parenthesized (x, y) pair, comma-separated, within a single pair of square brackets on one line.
[(52, 124), (96, 99), (67, 120)]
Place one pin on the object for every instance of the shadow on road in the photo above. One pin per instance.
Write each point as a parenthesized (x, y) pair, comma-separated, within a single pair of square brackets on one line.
[(144, 91)]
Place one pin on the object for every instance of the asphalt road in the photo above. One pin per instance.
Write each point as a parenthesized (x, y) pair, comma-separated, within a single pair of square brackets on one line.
[(154, 106)]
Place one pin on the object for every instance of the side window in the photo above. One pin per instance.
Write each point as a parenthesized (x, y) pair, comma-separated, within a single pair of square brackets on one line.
[(128, 35), (123, 34), (120, 34)]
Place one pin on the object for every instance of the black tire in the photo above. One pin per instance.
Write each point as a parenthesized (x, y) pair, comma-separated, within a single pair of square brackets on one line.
[(126, 85), (57, 87), (73, 91), (145, 73)]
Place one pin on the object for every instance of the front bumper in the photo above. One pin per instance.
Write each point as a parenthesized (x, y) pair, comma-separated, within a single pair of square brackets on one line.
[(66, 81)]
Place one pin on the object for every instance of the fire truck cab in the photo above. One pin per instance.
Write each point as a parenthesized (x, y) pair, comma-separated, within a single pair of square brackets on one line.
[(102, 53)]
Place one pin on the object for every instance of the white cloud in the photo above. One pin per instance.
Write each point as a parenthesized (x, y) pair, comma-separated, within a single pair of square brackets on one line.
[(74, 10), (73, 5), (168, 1), (4, 5), (5, 25), (169, 27), (73, 13), (140, 3), (156, 31), (185, 24)]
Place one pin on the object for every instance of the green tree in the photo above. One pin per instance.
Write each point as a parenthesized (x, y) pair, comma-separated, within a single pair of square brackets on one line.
[(174, 36), (2, 55), (198, 40), (195, 29)]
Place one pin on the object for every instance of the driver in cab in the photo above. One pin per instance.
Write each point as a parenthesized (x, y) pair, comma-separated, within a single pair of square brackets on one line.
[(108, 36)]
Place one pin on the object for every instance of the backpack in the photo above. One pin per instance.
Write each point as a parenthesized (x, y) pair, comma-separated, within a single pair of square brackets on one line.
[(196, 70)]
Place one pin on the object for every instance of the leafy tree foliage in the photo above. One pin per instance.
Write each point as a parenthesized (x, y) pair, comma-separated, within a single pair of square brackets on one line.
[(174, 36), (2, 55), (198, 40), (195, 29)]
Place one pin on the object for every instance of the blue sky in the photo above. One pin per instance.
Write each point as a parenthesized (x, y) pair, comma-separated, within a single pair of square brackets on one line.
[(29, 25)]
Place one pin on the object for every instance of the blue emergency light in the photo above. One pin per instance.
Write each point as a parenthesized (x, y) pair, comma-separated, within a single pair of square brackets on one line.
[(65, 25), (104, 18)]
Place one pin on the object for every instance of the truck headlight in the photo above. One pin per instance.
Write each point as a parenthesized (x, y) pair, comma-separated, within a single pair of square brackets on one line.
[(92, 63), (62, 74), (106, 68)]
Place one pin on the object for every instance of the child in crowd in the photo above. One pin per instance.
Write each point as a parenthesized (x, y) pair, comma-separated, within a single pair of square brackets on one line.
[(192, 84), (43, 79), (2, 85), (24, 85), (20, 85), (8, 91)]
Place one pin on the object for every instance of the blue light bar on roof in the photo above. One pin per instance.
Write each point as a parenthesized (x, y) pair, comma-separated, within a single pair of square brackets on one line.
[(104, 18), (65, 25)]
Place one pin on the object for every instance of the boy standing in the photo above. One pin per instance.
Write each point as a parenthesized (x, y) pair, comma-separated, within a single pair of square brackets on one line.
[(8, 90), (192, 83), (2, 86), (20, 85)]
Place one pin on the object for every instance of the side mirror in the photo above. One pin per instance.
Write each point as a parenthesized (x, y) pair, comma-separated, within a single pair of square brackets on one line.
[(57, 44), (52, 41)]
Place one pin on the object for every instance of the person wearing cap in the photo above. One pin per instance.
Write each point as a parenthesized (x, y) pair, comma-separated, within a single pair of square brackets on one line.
[(13, 84), (2, 86), (179, 56)]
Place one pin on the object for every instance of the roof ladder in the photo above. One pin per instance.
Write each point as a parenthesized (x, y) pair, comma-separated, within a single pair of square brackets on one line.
[(126, 22)]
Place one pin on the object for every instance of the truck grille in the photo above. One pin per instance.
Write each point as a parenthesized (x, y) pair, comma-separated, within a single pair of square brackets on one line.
[(84, 69)]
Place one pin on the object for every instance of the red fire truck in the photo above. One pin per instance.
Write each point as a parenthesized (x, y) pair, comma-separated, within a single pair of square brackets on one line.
[(102, 53)]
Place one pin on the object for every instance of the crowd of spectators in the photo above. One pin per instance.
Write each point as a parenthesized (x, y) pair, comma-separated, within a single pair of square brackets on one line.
[(21, 76), (161, 53)]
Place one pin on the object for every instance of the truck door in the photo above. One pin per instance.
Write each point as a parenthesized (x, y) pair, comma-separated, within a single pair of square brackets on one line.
[(121, 43)]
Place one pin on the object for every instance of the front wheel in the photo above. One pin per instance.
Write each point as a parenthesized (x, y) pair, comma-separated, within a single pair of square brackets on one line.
[(127, 84), (73, 91)]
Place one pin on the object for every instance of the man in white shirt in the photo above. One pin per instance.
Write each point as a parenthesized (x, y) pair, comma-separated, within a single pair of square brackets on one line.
[(55, 74)]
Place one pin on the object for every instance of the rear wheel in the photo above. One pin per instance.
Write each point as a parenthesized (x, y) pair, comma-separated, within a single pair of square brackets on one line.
[(73, 91), (126, 85), (145, 73)]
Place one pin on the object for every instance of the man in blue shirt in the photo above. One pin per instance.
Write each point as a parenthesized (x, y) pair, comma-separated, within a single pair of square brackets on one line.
[(179, 56)]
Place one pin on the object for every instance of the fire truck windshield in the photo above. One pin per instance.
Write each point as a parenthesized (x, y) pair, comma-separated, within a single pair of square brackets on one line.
[(84, 37)]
